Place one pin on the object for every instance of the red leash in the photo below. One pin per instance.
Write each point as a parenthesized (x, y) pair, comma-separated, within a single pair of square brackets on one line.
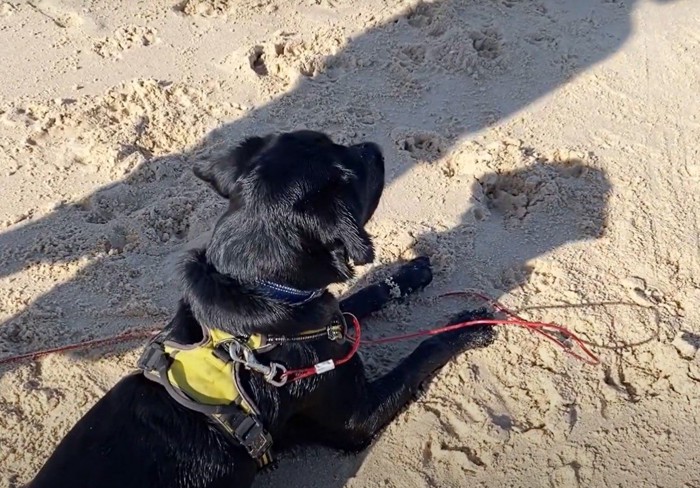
[(120, 338), (555, 333), (552, 332), (325, 366)]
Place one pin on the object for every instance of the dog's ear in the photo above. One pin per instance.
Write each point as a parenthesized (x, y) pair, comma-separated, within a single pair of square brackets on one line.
[(223, 170), (354, 238), (335, 225)]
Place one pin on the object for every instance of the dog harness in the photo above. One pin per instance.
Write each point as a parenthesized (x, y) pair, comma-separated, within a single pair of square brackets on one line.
[(205, 377)]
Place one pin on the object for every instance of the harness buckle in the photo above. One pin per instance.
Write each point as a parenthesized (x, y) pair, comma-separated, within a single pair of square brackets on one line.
[(253, 437), (152, 358), (335, 332)]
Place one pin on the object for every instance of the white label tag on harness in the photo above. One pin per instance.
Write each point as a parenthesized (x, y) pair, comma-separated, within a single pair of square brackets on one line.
[(324, 367)]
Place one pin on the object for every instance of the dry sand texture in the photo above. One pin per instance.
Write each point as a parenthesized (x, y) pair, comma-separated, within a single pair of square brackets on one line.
[(545, 152)]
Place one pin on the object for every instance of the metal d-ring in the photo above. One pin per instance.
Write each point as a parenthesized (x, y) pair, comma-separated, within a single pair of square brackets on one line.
[(276, 371)]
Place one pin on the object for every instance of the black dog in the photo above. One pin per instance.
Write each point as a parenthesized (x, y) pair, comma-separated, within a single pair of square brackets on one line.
[(298, 207)]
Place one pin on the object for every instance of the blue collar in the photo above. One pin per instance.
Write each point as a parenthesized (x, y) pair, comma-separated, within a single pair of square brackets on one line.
[(287, 294)]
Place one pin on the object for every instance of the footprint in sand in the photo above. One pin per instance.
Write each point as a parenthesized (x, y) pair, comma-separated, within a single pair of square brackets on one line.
[(124, 39)]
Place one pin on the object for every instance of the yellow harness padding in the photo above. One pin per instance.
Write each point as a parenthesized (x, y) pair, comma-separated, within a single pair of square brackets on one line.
[(204, 378), (207, 379), (199, 373)]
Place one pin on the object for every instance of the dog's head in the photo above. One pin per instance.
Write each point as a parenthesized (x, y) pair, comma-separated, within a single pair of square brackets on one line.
[(298, 207)]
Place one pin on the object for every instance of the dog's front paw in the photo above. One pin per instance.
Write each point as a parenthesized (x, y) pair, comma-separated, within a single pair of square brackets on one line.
[(473, 336), (411, 276), (432, 354)]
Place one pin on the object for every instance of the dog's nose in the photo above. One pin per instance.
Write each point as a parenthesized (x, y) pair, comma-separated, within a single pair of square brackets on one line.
[(372, 175)]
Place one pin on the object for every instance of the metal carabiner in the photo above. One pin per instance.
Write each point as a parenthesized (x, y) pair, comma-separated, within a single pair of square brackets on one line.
[(236, 351), (251, 362), (242, 354)]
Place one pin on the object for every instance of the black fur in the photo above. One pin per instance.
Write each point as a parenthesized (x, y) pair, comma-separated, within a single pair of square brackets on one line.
[(298, 207)]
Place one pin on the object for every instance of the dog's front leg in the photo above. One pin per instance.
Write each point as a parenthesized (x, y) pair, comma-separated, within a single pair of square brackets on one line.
[(412, 276), (351, 411)]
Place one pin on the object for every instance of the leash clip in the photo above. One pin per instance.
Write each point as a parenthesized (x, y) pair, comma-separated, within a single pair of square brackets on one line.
[(243, 355)]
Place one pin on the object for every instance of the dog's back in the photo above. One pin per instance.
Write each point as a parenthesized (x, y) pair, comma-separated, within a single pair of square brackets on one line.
[(135, 436)]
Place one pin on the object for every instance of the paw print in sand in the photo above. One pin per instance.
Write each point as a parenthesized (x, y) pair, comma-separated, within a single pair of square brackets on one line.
[(486, 43), (420, 145)]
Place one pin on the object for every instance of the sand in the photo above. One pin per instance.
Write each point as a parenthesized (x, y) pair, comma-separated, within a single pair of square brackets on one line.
[(544, 152)]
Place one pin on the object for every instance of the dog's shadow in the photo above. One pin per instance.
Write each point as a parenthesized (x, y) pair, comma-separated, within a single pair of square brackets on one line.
[(513, 218)]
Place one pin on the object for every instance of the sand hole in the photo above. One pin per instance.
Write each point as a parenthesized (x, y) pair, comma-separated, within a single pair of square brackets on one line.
[(486, 44), (257, 61)]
